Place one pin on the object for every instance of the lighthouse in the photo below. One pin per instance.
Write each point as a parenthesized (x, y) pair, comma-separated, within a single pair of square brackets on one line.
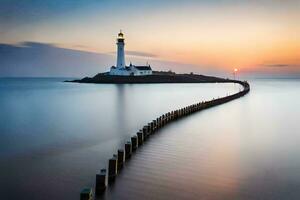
[(120, 51), (121, 69)]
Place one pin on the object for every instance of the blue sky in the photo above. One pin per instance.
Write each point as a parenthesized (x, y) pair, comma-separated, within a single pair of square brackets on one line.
[(215, 35)]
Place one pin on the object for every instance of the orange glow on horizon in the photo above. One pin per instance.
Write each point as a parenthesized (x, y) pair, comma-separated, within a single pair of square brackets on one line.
[(210, 37)]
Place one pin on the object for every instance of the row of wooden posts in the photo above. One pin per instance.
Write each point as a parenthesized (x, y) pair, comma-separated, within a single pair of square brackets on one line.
[(117, 161)]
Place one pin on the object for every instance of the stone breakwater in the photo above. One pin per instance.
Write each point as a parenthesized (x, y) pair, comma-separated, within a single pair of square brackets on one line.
[(118, 160)]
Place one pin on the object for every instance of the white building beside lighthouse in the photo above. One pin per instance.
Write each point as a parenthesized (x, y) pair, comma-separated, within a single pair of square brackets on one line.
[(121, 69)]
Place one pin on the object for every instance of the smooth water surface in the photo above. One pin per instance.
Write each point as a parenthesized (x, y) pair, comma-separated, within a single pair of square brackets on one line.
[(56, 136), (245, 149)]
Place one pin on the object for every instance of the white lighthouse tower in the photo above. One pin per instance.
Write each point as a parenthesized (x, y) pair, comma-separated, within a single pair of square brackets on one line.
[(121, 69), (120, 51)]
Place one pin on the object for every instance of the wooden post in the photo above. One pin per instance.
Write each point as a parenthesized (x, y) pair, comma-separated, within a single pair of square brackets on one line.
[(159, 122), (86, 194), (101, 182), (112, 168), (140, 138), (121, 159), (148, 129), (145, 134), (154, 125), (128, 150), (134, 142)]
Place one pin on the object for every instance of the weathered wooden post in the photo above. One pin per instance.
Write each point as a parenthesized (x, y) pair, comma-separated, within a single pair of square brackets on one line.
[(128, 150), (101, 182), (112, 168), (163, 120), (134, 142), (148, 129), (154, 125), (151, 127), (121, 159), (145, 134), (86, 194), (140, 138), (159, 122)]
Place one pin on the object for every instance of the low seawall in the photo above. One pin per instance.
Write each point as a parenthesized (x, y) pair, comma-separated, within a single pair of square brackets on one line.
[(115, 164)]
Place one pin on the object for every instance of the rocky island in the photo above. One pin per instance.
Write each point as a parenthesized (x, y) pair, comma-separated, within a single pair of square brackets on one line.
[(122, 74), (155, 77)]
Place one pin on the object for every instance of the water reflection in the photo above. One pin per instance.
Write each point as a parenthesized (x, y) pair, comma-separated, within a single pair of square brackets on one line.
[(120, 102), (56, 136), (62, 133), (244, 149)]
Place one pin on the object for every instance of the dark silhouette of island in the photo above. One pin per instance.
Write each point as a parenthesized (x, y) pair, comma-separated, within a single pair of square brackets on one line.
[(156, 77)]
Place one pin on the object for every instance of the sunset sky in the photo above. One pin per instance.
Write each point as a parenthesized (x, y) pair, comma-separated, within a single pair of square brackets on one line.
[(259, 36)]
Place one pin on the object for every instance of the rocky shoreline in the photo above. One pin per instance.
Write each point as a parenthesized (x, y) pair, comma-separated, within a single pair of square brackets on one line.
[(156, 77)]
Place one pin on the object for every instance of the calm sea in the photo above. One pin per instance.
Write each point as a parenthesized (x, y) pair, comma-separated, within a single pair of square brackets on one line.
[(56, 136)]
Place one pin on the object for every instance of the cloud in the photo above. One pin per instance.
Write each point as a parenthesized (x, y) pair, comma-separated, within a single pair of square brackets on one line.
[(43, 59), (31, 44), (138, 54), (50, 60), (276, 65), (281, 65), (141, 54)]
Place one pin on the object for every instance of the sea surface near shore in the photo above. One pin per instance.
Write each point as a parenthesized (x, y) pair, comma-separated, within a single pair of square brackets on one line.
[(56, 136)]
